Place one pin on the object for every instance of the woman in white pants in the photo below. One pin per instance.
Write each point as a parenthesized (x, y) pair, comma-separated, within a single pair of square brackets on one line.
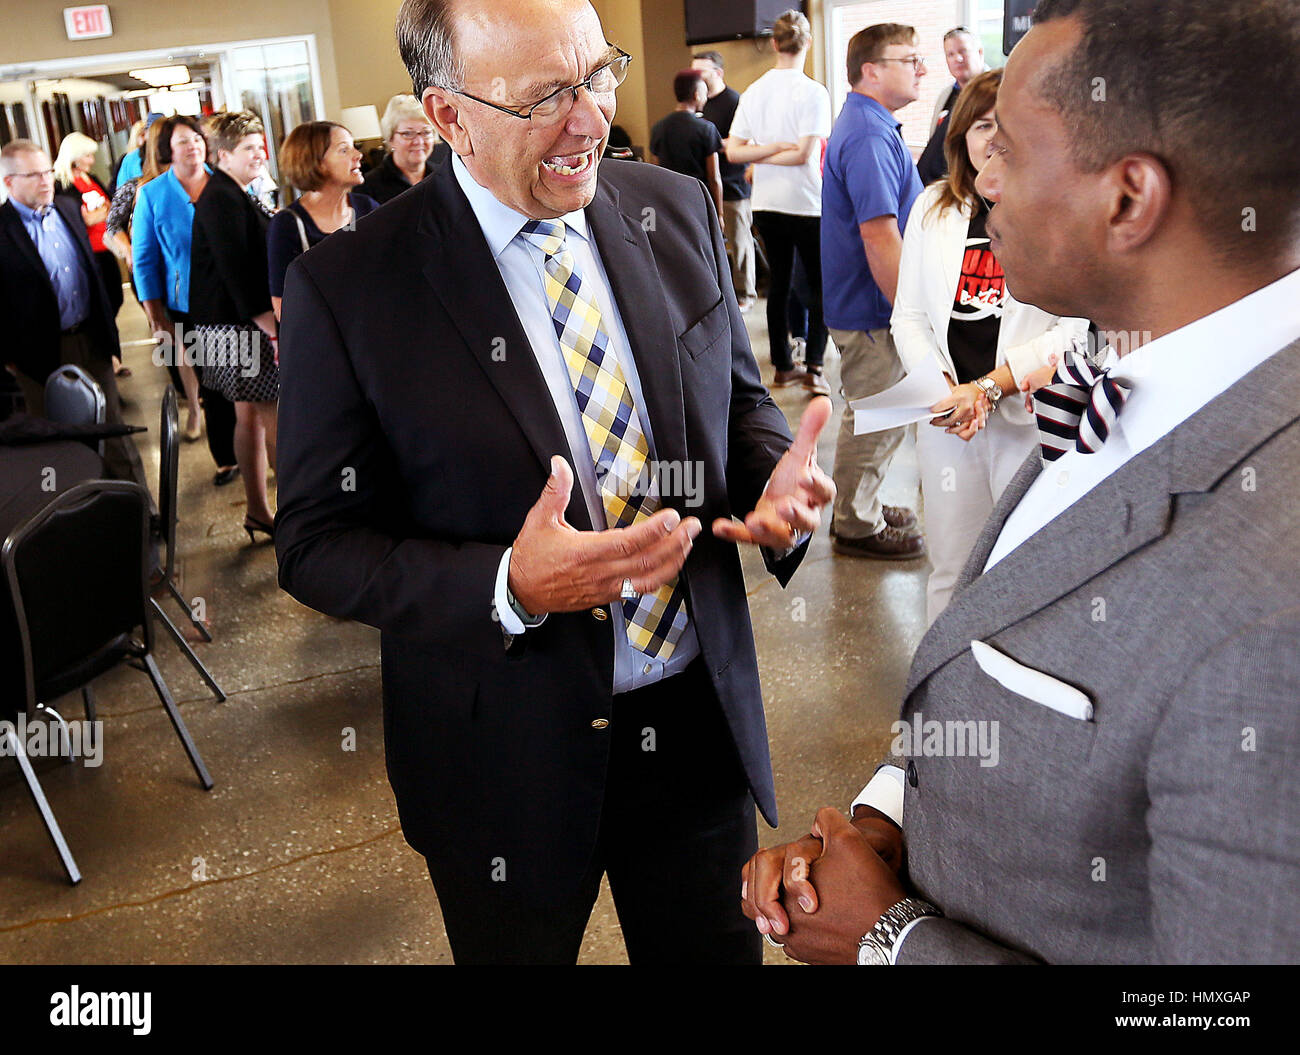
[(952, 304)]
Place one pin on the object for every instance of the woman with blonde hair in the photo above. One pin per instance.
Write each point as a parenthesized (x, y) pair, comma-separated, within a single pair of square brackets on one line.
[(414, 150), (230, 301), (953, 307), (780, 123), (73, 178)]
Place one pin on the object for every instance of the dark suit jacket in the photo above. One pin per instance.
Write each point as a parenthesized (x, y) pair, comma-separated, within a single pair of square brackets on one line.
[(28, 304), (1166, 827), (228, 267), (415, 434), (385, 182)]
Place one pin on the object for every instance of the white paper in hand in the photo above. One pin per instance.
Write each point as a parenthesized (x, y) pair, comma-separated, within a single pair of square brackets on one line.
[(908, 401)]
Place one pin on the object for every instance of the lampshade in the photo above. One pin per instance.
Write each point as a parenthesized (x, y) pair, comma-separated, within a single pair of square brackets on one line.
[(361, 121)]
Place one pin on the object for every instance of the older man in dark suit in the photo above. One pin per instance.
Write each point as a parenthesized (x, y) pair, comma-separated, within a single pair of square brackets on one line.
[(1099, 739), (52, 298), (570, 684)]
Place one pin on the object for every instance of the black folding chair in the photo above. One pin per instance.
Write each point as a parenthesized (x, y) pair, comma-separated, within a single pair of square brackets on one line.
[(78, 575), (73, 397), (168, 475)]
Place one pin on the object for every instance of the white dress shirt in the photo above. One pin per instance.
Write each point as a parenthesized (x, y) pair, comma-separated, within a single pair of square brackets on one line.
[(522, 266), (1172, 378)]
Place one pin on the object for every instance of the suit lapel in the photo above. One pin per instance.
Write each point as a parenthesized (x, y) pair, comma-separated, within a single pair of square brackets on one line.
[(1123, 513), (638, 291), (954, 240), (13, 225), (459, 267)]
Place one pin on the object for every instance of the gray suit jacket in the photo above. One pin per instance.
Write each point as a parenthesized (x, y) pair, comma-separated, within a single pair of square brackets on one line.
[(1167, 828)]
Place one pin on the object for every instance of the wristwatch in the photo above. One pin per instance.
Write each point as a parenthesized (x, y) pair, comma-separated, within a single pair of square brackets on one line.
[(991, 389), (876, 947)]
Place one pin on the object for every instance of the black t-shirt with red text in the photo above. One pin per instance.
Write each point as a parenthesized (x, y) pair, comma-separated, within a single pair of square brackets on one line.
[(977, 307)]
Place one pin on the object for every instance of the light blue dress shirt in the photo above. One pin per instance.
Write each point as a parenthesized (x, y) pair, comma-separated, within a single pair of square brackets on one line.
[(57, 248), (522, 267)]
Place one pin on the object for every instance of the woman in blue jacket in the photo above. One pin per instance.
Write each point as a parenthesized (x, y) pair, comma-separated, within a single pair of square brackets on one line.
[(161, 229)]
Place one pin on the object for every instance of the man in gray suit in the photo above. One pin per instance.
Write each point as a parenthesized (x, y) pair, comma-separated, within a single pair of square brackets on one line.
[(1099, 738)]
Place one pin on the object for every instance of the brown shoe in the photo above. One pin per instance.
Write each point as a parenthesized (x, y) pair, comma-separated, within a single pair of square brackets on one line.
[(889, 543), (899, 517), (816, 384), (786, 378)]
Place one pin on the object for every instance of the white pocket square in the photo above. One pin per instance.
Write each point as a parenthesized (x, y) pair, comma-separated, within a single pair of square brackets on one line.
[(1031, 684)]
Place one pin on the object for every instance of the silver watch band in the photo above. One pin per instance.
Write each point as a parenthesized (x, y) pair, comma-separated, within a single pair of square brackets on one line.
[(991, 389), (878, 945)]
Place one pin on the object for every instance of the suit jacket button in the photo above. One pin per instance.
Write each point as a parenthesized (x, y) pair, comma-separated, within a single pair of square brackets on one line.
[(599, 613), (911, 772), (600, 723)]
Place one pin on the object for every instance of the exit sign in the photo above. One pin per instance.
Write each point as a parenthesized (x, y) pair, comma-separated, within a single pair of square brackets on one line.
[(83, 23)]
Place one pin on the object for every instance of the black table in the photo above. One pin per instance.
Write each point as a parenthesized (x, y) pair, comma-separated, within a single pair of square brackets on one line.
[(32, 476)]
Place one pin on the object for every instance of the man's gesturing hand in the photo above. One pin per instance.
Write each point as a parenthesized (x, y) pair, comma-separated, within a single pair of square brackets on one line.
[(557, 568), (796, 491)]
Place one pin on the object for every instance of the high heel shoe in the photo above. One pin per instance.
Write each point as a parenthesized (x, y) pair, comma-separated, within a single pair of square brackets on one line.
[(193, 432), (252, 524)]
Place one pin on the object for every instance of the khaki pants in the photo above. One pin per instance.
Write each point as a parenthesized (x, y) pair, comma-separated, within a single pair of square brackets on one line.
[(737, 226), (121, 459), (869, 364)]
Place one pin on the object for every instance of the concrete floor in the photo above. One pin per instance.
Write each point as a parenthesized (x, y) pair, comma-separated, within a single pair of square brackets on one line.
[(296, 855)]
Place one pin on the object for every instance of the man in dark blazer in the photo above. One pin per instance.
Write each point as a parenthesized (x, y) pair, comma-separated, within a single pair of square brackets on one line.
[(436, 481), (1097, 749), (52, 297)]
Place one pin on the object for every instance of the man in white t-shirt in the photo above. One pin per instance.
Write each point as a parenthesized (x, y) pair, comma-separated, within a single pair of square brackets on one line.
[(780, 125)]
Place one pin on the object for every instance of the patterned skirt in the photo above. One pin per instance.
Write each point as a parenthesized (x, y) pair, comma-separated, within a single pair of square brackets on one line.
[(239, 362)]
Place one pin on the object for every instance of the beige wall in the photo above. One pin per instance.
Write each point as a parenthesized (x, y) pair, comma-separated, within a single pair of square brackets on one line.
[(369, 68)]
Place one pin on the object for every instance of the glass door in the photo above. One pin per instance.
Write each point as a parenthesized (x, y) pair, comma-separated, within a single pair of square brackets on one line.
[(273, 81)]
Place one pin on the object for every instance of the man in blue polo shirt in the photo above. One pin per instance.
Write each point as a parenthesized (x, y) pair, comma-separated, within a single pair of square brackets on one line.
[(868, 185)]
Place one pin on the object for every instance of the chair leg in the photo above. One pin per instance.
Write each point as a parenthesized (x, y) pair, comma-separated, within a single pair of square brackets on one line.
[(88, 697), (198, 624), (47, 815), (178, 724), (67, 736), (184, 646)]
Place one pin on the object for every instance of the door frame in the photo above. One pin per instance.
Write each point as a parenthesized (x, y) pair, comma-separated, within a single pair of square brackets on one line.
[(83, 66)]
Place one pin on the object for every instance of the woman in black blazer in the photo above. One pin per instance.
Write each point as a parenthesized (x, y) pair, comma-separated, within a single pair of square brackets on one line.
[(230, 301)]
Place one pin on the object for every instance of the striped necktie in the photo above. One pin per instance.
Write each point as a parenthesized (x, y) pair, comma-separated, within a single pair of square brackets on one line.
[(628, 493), (1078, 409)]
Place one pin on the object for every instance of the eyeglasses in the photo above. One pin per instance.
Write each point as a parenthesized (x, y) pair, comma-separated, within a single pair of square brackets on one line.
[(34, 175), (915, 60), (411, 135), (556, 106)]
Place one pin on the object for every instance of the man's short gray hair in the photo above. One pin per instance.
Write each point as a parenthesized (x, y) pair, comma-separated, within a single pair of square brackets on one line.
[(9, 155), (424, 39)]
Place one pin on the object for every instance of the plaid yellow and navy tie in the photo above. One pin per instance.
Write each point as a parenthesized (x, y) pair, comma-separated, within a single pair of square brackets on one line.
[(628, 493)]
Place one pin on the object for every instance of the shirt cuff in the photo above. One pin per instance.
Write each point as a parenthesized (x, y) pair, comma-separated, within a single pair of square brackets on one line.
[(514, 620), (884, 792)]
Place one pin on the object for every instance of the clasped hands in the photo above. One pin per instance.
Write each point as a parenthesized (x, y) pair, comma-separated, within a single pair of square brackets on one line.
[(556, 568), (966, 409), (817, 896)]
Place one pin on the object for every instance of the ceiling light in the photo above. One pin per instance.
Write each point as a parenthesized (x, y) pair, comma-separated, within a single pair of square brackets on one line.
[(162, 76)]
